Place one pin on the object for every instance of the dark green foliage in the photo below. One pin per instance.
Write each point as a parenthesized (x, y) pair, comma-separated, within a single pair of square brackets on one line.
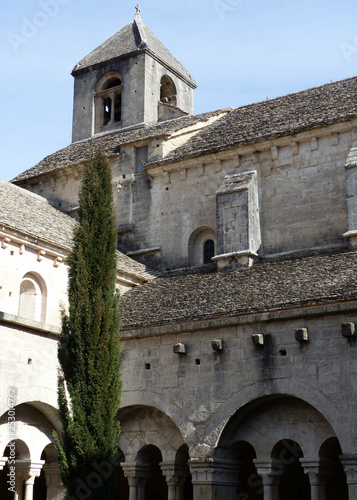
[(89, 352)]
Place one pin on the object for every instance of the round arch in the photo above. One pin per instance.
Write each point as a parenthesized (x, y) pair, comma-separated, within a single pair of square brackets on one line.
[(143, 425), (253, 395), (109, 79), (108, 101), (196, 245), (42, 399), (166, 406), (168, 92), (33, 297)]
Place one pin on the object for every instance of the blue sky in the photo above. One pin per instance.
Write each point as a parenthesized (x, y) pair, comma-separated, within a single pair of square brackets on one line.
[(239, 51)]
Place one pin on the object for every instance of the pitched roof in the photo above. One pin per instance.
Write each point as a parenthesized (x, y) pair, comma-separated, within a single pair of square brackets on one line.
[(287, 115), (265, 286), (33, 216), (134, 37), (79, 152)]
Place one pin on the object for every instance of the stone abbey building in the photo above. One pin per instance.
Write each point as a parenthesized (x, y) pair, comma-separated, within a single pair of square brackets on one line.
[(237, 263)]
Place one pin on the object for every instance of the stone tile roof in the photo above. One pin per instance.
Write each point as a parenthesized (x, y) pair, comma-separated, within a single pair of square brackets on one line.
[(287, 115), (134, 37), (33, 216), (267, 285), (79, 152)]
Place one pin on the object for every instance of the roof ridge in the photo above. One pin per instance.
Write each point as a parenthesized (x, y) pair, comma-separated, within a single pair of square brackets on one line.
[(141, 29)]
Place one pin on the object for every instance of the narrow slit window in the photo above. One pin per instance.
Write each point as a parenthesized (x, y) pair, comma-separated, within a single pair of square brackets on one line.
[(117, 108), (107, 104), (208, 251)]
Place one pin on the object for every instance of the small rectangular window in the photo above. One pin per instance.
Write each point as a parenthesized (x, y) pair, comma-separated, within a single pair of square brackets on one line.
[(141, 158)]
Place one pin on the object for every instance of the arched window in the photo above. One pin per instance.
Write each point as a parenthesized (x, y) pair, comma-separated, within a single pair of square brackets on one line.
[(201, 246), (168, 93), (33, 298), (208, 251), (108, 101)]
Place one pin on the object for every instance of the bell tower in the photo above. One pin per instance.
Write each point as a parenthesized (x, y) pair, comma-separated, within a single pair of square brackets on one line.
[(130, 80)]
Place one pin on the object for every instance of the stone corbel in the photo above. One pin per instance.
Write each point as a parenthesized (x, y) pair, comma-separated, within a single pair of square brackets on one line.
[(237, 161), (166, 176), (40, 255), (58, 260), (275, 153), (5, 241), (200, 170), (314, 144), (294, 148)]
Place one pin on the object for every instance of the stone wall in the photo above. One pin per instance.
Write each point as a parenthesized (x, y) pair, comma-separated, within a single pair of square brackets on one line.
[(201, 388)]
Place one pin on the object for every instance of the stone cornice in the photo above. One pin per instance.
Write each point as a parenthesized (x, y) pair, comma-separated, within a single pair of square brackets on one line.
[(249, 149)]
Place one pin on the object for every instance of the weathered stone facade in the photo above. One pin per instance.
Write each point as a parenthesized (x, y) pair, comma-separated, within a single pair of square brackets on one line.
[(239, 311)]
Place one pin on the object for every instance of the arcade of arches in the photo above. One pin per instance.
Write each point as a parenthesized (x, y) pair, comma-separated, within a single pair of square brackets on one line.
[(277, 448)]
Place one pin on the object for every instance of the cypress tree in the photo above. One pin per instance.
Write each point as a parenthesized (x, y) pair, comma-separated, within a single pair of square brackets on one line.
[(89, 384)]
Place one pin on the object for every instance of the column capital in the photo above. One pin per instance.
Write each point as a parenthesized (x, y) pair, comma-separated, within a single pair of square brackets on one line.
[(349, 463), (269, 470), (136, 473), (316, 468), (29, 470), (169, 472)]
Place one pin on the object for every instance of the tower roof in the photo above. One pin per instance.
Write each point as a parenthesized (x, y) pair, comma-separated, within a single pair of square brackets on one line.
[(134, 38)]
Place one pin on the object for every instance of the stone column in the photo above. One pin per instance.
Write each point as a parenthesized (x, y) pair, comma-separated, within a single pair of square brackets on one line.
[(270, 472), (55, 488), (33, 471), (26, 473), (349, 463), (317, 471), (214, 479), (18, 487), (29, 483), (137, 475), (169, 473)]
